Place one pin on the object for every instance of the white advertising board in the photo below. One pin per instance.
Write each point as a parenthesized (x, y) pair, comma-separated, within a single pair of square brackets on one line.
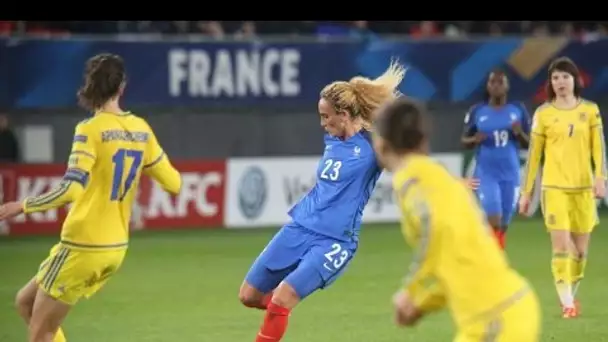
[(260, 191)]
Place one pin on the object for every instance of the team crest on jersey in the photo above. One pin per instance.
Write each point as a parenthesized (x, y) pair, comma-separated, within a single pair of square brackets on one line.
[(98, 278), (357, 151), (513, 117), (583, 116), (61, 288)]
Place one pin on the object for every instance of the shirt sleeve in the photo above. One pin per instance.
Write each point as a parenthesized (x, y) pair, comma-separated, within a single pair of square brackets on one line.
[(158, 166), (535, 150), (598, 145), (420, 283), (80, 163)]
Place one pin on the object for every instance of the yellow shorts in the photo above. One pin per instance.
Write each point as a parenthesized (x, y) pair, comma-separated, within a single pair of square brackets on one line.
[(68, 274), (572, 211), (519, 323)]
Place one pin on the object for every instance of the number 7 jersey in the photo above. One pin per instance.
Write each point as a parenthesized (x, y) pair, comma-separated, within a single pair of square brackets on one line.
[(109, 154), (569, 139)]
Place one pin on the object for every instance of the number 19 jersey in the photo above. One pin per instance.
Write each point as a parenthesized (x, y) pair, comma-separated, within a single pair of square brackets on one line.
[(109, 152), (498, 155)]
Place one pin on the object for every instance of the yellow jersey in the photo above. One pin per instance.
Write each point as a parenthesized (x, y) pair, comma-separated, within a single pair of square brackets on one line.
[(569, 139), (109, 153), (457, 261)]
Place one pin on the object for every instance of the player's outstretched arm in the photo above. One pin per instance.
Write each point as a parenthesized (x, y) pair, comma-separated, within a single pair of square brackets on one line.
[(165, 174), (81, 161), (70, 189)]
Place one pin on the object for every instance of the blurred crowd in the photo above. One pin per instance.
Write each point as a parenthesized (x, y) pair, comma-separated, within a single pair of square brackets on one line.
[(251, 29)]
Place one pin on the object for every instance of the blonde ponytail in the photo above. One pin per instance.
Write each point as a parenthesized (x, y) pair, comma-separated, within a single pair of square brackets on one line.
[(362, 97)]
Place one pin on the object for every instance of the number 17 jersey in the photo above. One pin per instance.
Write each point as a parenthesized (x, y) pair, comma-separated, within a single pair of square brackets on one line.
[(109, 152)]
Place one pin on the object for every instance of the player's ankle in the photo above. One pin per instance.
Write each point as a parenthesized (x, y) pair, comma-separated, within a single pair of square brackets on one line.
[(277, 309)]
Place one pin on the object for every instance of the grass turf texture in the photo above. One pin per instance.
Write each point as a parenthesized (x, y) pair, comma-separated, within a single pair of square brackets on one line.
[(183, 285)]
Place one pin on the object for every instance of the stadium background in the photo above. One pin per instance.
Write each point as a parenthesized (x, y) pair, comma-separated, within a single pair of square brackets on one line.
[(237, 114)]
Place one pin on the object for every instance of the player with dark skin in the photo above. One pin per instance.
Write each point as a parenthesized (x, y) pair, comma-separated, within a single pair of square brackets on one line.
[(497, 90)]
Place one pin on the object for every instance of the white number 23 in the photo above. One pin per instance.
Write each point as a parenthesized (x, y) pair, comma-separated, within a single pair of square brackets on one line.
[(336, 257), (331, 170)]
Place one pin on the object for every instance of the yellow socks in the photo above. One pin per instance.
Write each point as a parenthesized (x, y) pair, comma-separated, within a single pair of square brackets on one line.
[(59, 336), (560, 267), (577, 267)]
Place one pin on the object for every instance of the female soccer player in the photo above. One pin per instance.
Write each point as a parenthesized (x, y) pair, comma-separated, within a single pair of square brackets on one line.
[(109, 153), (497, 129), (568, 129), (313, 250), (456, 262)]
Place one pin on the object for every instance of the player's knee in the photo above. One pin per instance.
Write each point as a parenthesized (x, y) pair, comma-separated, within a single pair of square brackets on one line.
[(249, 296), (580, 245), (560, 241), (495, 221), (579, 255), (24, 303), (285, 296)]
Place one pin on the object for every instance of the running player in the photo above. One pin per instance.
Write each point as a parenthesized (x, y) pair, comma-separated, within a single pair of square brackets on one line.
[(497, 129), (312, 250), (568, 130), (109, 153), (456, 263)]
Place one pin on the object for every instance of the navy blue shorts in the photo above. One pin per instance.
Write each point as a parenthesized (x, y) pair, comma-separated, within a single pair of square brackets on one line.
[(306, 260)]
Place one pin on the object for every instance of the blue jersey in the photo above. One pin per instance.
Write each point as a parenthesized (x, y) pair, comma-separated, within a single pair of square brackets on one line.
[(497, 156), (346, 177)]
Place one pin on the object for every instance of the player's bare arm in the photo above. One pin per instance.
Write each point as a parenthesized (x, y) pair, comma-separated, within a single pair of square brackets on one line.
[(520, 134), (521, 128), (471, 137), (473, 140)]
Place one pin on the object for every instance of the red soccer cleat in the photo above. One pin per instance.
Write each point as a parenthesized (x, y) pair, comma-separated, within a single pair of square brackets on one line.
[(568, 313), (577, 306)]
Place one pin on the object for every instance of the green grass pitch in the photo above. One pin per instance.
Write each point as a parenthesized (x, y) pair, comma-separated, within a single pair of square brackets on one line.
[(182, 286)]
